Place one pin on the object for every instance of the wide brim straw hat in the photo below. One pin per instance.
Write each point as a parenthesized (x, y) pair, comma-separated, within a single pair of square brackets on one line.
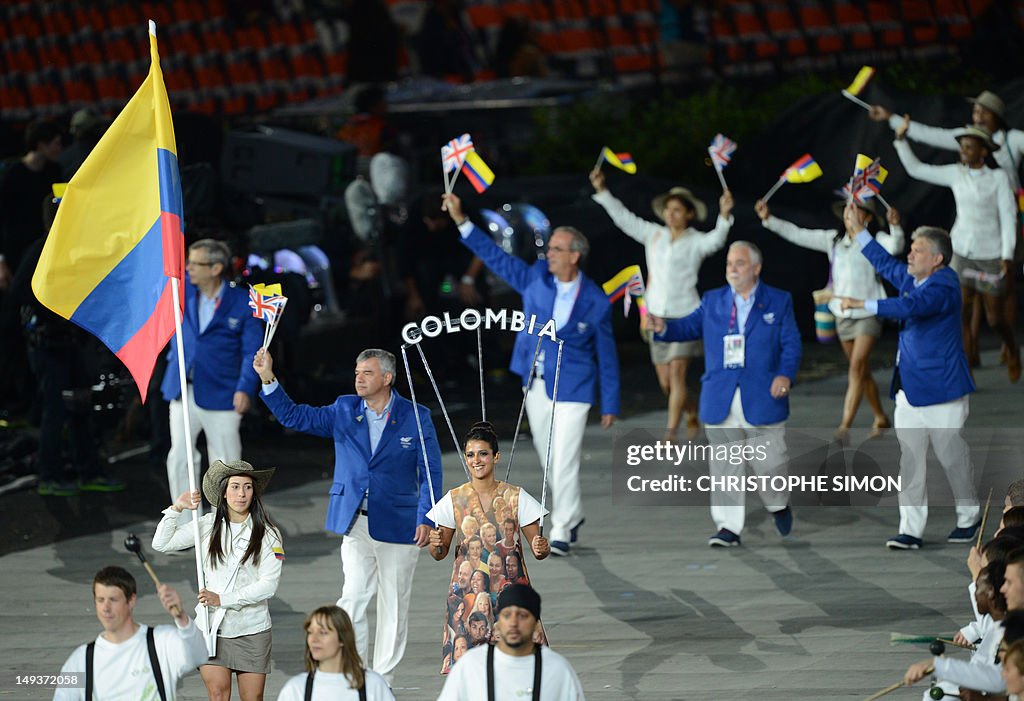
[(220, 470), (658, 203), (992, 102), (869, 205), (977, 132)]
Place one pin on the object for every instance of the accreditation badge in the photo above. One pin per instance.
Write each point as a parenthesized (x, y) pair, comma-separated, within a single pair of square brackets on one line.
[(734, 350)]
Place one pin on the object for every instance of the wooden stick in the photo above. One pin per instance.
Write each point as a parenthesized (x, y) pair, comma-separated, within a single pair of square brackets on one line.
[(893, 687), (962, 646), (984, 516), (175, 610)]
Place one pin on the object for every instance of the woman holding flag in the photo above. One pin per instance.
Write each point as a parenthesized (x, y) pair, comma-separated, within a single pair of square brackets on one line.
[(477, 497), (850, 275), (674, 252), (242, 557)]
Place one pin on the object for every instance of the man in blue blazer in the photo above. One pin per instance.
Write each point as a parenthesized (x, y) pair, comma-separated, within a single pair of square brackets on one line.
[(932, 382), (380, 494), (220, 336), (556, 289), (751, 355)]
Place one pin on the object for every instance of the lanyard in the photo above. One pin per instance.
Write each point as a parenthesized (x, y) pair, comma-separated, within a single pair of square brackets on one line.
[(732, 318)]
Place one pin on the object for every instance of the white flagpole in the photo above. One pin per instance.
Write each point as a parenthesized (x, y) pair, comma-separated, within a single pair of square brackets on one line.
[(203, 612), (277, 318), (882, 200), (600, 160), (779, 183), (856, 100), (456, 176), (721, 176)]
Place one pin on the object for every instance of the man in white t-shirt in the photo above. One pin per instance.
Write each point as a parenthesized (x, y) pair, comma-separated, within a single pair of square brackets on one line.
[(122, 655), (509, 670)]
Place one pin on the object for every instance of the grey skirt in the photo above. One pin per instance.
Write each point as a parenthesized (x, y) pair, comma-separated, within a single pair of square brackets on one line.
[(247, 653)]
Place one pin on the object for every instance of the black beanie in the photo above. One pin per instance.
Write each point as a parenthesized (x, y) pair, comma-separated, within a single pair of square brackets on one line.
[(522, 595)]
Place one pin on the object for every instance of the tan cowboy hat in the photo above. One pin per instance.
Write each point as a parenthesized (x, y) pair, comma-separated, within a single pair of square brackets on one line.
[(978, 132), (220, 471), (867, 205), (658, 203), (992, 102)]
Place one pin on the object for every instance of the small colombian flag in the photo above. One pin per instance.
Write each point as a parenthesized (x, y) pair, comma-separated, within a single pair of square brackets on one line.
[(480, 176), (278, 552), (864, 75), (804, 170), (622, 161)]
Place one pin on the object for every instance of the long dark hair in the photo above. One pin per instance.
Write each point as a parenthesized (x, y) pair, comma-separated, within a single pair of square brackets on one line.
[(337, 620), (871, 225), (482, 431), (260, 523)]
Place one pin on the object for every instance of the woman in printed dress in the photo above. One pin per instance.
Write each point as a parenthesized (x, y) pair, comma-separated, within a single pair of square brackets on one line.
[(477, 500)]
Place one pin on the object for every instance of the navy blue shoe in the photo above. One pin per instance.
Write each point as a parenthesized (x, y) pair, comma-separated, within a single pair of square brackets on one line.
[(783, 521), (559, 548), (964, 535), (904, 542), (724, 539), (574, 533)]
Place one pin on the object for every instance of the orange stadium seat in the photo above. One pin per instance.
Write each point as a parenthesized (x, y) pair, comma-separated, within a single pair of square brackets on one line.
[(819, 27), (953, 14), (853, 25), (918, 17), (784, 28), (884, 22), (751, 33)]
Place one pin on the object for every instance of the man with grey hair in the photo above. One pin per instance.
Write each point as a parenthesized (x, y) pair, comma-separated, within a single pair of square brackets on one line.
[(219, 335), (932, 382), (752, 353), (380, 494), (556, 289)]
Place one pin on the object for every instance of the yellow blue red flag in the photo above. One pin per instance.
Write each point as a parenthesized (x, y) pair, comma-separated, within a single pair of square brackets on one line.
[(478, 173), (118, 239), (622, 161)]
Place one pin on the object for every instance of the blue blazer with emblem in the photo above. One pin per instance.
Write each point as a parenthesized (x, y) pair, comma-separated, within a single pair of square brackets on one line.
[(219, 360), (931, 362), (589, 345), (772, 348), (399, 497)]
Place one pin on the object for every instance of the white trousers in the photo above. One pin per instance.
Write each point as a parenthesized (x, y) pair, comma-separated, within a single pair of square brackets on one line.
[(385, 569), (566, 452), (728, 509), (222, 440), (941, 425)]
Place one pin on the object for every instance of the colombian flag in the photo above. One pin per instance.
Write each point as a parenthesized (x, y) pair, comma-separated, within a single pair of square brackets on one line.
[(118, 238), (480, 176), (622, 161), (804, 170), (861, 80), (627, 283)]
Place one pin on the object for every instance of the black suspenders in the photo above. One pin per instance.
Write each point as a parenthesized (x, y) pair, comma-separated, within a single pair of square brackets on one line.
[(309, 687), (154, 662), (490, 673)]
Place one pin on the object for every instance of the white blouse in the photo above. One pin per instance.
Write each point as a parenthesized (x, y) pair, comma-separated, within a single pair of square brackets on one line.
[(852, 274), (672, 266)]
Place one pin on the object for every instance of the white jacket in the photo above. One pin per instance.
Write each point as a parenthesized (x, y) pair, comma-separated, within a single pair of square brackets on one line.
[(852, 274), (672, 266), (986, 216), (246, 600), (1008, 157)]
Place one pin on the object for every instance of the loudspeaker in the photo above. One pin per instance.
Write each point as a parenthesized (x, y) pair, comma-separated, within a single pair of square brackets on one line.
[(273, 161)]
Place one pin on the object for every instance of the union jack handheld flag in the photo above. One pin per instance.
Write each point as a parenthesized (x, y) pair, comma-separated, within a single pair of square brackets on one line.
[(453, 156), (721, 150), (262, 307), (868, 176)]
